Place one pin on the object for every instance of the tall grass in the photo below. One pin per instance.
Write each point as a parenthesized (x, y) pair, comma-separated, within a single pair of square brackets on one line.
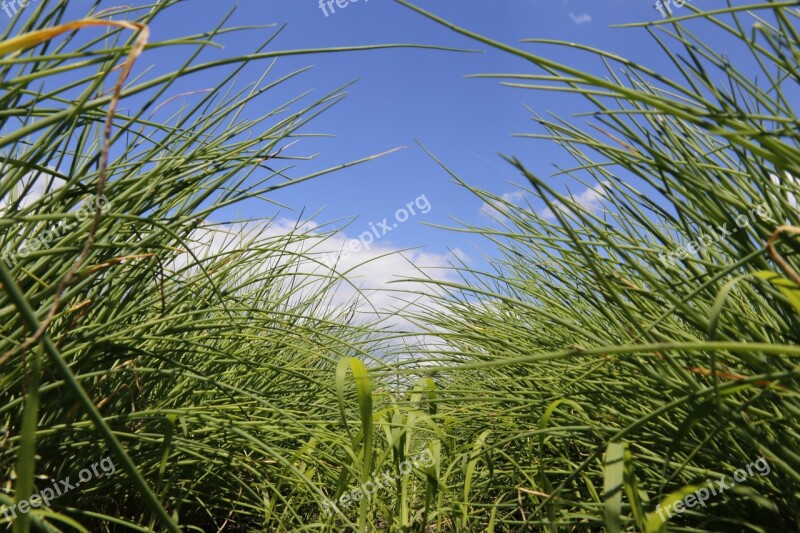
[(200, 357), (591, 374)]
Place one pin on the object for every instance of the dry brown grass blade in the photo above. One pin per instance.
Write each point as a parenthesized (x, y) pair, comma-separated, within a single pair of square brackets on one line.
[(387, 152), (788, 270), (521, 490), (34, 38), (80, 309), (729, 375), (114, 261), (622, 143)]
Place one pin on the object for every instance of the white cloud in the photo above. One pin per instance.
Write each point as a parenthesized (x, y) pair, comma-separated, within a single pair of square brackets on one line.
[(583, 18), (790, 182), (33, 186), (590, 199), (369, 277), (497, 210)]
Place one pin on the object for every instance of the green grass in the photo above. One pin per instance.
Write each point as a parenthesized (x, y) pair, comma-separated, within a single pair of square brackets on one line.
[(576, 384), (581, 339)]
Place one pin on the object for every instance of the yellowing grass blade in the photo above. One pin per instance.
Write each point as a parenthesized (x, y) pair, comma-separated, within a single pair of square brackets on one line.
[(657, 521), (788, 288), (27, 40)]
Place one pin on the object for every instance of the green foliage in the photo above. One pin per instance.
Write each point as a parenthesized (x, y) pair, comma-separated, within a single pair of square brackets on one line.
[(191, 353), (593, 360), (592, 374)]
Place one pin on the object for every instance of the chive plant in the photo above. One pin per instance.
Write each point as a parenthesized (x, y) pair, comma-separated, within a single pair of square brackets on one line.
[(135, 327), (626, 347), (639, 339)]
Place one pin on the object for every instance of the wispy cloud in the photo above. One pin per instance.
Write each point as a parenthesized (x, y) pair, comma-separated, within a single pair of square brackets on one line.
[(591, 199), (497, 210), (583, 18)]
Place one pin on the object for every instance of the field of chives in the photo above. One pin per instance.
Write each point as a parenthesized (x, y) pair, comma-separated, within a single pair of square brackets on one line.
[(626, 369)]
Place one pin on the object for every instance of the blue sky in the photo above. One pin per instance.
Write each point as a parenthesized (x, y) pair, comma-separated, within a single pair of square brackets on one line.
[(407, 94)]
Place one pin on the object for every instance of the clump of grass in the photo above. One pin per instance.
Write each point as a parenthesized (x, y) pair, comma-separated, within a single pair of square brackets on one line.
[(579, 384), (586, 378), (203, 365)]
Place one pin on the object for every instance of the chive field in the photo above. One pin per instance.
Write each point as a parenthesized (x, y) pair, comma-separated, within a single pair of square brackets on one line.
[(617, 358)]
